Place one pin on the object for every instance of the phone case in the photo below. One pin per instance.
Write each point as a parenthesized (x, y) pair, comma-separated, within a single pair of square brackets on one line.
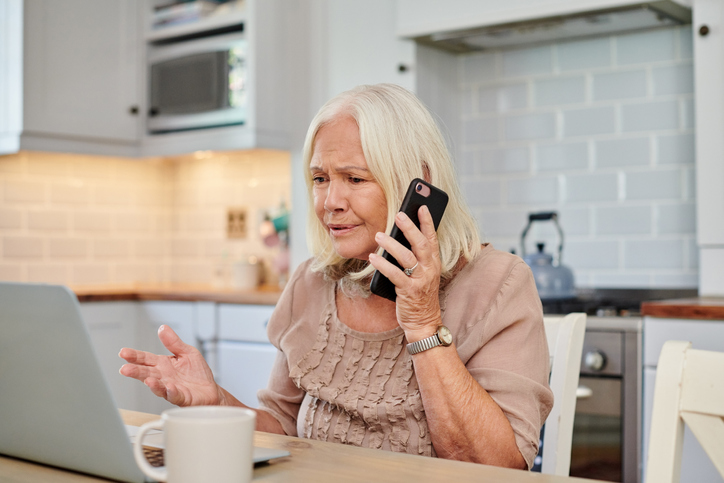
[(436, 202)]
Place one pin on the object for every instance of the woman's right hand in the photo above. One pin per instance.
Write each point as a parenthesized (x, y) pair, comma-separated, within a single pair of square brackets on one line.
[(183, 379)]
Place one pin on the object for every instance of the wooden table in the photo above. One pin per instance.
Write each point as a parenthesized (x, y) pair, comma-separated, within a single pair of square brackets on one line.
[(316, 462)]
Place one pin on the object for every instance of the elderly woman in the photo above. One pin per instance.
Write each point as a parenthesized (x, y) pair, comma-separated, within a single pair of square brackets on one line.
[(350, 366)]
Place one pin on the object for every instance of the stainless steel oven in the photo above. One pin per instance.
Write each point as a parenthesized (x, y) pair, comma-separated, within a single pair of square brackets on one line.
[(607, 426)]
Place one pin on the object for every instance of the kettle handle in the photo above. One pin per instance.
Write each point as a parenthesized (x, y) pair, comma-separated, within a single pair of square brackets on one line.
[(543, 216)]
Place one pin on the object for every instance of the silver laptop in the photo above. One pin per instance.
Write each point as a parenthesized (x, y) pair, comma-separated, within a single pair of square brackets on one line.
[(56, 407)]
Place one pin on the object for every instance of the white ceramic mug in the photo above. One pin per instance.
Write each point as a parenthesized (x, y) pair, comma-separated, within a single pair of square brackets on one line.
[(202, 443)]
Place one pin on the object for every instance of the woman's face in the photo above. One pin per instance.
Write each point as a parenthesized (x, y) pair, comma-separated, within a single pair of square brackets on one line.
[(347, 200)]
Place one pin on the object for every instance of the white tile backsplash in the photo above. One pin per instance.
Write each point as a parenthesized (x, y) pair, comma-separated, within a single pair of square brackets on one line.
[(608, 86), (85, 219), (601, 131), (589, 121)]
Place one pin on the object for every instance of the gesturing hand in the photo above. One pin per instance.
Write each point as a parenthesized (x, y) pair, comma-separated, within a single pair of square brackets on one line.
[(183, 379)]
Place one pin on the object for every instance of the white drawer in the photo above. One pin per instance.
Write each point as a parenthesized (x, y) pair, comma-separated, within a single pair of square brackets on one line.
[(703, 335), (246, 323)]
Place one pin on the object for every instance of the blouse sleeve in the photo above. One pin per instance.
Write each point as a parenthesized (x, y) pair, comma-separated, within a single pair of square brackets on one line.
[(506, 351), (281, 398)]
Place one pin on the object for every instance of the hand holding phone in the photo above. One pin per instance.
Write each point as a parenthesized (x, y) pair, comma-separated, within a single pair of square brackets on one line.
[(419, 193)]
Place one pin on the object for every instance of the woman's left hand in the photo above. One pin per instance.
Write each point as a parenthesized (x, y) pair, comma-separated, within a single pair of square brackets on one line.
[(418, 306)]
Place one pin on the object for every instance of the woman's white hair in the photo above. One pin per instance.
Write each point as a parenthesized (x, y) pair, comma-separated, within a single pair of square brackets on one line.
[(400, 141)]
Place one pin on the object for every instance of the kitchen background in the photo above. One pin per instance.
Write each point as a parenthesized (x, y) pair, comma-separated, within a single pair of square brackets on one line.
[(600, 130), (80, 219)]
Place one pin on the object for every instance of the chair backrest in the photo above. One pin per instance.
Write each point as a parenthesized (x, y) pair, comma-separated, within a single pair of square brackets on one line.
[(565, 345), (689, 390)]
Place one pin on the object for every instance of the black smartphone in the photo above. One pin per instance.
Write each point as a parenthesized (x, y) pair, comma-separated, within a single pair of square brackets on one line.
[(419, 193)]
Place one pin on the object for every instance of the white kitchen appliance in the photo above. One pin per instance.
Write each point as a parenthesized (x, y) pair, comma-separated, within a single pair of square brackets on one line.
[(198, 83)]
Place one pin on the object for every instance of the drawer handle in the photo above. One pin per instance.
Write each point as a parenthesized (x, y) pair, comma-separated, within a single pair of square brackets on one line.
[(583, 392)]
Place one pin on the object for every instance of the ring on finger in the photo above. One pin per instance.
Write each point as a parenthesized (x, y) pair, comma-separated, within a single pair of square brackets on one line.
[(408, 271)]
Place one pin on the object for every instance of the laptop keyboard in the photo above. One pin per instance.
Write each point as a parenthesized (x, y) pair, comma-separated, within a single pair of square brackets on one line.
[(153, 455)]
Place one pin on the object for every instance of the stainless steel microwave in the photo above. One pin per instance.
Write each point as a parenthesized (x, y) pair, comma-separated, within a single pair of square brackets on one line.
[(197, 84)]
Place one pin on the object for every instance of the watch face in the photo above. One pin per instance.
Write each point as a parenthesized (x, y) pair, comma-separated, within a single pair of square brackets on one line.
[(443, 333)]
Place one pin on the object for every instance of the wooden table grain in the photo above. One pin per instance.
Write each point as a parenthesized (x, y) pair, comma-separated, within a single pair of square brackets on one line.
[(316, 462)]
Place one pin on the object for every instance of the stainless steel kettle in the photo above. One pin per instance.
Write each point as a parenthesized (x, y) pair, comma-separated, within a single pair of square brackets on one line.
[(554, 281)]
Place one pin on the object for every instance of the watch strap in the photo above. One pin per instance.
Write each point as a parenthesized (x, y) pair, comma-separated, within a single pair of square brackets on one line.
[(423, 344)]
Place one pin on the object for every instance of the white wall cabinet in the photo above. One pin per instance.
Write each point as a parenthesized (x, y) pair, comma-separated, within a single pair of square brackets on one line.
[(704, 335), (81, 61), (245, 356)]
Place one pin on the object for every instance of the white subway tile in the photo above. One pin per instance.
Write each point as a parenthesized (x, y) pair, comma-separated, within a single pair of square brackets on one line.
[(675, 280), (68, 248), (686, 42), (73, 192), (510, 160), (690, 184), (20, 191), (11, 272), (591, 187), (151, 248), (481, 193), (623, 220), (53, 272), (622, 152), (588, 121), (673, 79), (10, 219), (584, 54), (23, 247), (560, 90), (503, 223), (468, 102), (91, 167), (692, 253), (654, 185), (528, 61), (676, 218), (475, 131), (115, 194), (502, 98), (477, 67), (560, 156), (537, 190), (654, 254), (645, 47), (688, 114), (676, 149), (650, 116), (91, 222), (591, 254), (90, 273), (531, 126), (466, 163), (185, 248), (110, 248), (617, 85), (48, 220), (575, 221), (134, 222)]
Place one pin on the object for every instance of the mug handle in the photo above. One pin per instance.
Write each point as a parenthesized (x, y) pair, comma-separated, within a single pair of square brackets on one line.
[(154, 473)]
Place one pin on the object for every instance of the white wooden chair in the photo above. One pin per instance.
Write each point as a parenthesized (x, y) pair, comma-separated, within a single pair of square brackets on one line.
[(565, 344), (689, 389)]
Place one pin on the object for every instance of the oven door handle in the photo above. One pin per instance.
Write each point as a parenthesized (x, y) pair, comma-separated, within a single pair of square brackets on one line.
[(583, 392)]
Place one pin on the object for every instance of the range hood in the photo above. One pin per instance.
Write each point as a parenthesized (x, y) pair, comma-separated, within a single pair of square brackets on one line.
[(664, 13)]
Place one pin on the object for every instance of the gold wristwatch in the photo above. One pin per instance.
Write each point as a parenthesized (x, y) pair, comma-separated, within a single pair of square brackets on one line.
[(442, 337)]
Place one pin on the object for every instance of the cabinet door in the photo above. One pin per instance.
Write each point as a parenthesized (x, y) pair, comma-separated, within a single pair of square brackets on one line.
[(244, 368), (112, 327), (81, 59)]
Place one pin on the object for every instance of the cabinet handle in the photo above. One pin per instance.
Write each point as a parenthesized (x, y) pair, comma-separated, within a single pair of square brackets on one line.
[(402, 68), (133, 110), (704, 30), (153, 111)]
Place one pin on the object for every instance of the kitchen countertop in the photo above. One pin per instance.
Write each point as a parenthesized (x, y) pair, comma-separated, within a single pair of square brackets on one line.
[(704, 308), (264, 295)]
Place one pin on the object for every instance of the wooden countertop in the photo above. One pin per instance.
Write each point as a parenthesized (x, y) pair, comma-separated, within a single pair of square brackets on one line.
[(704, 308), (265, 295)]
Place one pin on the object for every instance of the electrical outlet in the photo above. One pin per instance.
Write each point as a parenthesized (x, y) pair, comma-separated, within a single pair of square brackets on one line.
[(236, 223)]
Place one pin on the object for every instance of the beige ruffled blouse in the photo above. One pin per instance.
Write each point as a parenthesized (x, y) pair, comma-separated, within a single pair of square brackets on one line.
[(333, 383)]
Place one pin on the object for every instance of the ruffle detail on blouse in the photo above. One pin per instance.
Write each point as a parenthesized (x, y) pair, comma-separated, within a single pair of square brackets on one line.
[(313, 358)]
